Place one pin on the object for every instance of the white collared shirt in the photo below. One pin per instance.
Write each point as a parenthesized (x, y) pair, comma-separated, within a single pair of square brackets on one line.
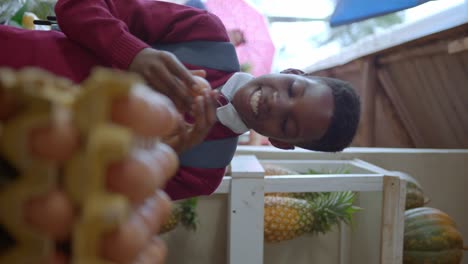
[(227, 114)]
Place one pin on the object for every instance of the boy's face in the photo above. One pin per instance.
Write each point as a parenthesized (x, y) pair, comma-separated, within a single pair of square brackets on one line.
[(288, 108)]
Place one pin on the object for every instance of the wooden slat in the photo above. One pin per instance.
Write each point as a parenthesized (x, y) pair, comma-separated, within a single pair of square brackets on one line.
[(455, 99), (444, 94), (414, 53), (464, 60), (435, 95), (412, 82), (393, 204), (457, 89), (414, 98), (441, 91), (345, 245), (459, 74), (389, 86), (369, 87), (439, 130), (389, 130), (451, 90), (408, 97), (352, 67), (246, 209), (324, 183)]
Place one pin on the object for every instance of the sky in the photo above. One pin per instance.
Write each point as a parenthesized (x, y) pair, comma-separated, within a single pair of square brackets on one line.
[(295, 8), (294, 38)]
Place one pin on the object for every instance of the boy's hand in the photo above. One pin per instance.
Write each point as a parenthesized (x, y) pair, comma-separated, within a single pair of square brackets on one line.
[(140, 177), (166, 74), (188, 135)]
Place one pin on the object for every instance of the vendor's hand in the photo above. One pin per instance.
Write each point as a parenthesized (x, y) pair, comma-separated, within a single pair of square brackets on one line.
[(166, 74), (204, 115), (140, 177)]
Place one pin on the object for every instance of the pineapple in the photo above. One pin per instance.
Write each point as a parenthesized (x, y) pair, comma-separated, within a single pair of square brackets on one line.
[(287, 217), (183, 212), (173, 221)]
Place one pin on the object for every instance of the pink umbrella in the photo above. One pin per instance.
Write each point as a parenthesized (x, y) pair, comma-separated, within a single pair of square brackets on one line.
[(258, 50)]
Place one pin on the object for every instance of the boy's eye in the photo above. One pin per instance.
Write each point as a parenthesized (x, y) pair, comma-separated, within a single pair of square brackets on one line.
[(292, 89)]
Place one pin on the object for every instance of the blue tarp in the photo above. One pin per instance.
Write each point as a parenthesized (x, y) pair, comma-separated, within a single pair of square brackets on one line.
[(349, 11)]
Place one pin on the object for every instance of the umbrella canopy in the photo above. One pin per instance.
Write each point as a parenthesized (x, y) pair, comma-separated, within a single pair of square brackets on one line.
[(258, 50), (349, 11)]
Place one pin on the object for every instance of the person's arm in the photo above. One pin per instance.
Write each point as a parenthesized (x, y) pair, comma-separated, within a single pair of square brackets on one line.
[(120, 31), (117, 30), (192, 182), (98, 25)]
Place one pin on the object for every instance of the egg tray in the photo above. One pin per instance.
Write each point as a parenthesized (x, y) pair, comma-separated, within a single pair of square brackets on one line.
[(45, 98)]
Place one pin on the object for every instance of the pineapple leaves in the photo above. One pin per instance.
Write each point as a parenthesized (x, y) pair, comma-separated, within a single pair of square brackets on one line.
[(183, 212), (328, 209), (189, 216), (331, 208)]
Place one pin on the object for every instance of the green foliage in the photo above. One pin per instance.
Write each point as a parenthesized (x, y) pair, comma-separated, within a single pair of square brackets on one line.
[(42, 8), (9, 8), (330, 208), (189, 217), (13, 11), (18, 16)]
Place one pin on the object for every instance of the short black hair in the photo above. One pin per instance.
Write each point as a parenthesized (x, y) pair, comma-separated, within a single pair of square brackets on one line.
[(344, 121)]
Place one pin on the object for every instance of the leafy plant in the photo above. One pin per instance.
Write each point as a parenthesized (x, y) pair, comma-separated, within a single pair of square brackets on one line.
[(349, 34)]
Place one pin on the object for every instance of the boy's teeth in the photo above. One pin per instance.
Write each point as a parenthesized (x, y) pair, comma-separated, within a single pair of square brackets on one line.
[(254, 101)]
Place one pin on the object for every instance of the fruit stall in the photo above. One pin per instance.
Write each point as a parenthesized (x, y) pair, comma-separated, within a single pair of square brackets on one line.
[(224, 236), (403, 204), (264, 207)]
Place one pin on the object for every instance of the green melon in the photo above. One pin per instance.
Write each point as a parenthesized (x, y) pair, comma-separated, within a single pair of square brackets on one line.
[(431, 237), (414, 196)]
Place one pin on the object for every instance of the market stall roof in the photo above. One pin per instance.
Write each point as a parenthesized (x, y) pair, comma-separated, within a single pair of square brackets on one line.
[(451, 17), (349, 11)]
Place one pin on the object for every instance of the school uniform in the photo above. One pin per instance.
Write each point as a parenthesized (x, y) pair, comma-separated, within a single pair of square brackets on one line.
[(111, 33)]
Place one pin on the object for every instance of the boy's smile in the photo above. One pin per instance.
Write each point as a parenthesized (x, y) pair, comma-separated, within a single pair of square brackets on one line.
[(254, 100), (286, 107)]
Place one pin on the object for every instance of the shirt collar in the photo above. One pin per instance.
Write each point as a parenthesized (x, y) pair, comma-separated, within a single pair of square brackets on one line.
[(227, 114)]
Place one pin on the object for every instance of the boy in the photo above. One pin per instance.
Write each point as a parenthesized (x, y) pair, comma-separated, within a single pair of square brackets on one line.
[(291, 109)]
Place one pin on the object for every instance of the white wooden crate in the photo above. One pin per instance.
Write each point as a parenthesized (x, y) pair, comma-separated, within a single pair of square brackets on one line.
[(247, 185)]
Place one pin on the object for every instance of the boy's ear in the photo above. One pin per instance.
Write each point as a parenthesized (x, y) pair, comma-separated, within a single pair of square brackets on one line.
[(280, 144), (292, 71)]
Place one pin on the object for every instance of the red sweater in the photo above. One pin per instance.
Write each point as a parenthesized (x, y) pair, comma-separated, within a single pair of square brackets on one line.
[(111, 33)]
